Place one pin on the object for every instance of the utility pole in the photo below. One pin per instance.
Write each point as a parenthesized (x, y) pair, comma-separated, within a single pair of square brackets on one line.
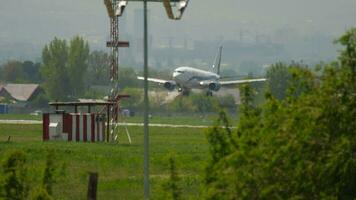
[(182, 5), (146, 103)]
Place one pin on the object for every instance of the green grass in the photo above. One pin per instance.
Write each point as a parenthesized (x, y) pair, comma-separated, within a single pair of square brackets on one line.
[(184, 119), (120, 166), (20, 117)]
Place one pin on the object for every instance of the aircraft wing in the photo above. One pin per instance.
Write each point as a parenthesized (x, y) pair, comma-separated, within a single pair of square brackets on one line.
[(155, 80), (242, 81)]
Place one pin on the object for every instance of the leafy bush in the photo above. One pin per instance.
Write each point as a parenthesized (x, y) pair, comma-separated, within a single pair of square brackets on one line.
[(40, 194), (194, 103), (48, 175), (173, 184), (14, 170), (302, 147), (16, 185)]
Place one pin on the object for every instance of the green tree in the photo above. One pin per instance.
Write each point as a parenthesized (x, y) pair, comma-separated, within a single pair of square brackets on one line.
[(14, 170), (32, 72), (278, 77), (40, 101), (53, 69), (227, 101), (99, 73), (204, 103), (221, 146), (281, 76), (13, 72), (77, 65), (182, 104), (128, 77), (194, 103), (136, 98), (299, 148), (173, 185), (20, 72), (64, 68), (98, 68)]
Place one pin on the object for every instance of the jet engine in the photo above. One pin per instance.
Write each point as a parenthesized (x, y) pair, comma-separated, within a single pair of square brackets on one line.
[(170, 85), (214, 86)]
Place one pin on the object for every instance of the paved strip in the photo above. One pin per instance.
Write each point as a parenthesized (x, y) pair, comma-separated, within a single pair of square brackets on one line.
[(10, 121), (164, 125), (5, 121)]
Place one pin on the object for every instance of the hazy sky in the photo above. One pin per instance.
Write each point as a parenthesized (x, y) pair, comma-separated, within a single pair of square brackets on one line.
[(38, 21)]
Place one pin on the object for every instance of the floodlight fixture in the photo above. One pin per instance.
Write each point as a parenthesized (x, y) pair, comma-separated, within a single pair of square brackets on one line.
[(119, 10), (180, 6)]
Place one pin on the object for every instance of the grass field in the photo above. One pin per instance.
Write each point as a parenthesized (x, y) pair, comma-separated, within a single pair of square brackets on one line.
[(193, 119), (186, 119), (20, 117), (120, 166)]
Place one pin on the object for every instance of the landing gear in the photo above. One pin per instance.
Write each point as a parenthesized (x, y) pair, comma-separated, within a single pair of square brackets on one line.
[(209, 93), (185, 92)]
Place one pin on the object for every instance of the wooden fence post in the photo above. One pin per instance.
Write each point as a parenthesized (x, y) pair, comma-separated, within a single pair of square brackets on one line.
[(92, 185)]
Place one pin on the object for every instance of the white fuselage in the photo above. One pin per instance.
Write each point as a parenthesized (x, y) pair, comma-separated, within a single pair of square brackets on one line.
[(191, 78)]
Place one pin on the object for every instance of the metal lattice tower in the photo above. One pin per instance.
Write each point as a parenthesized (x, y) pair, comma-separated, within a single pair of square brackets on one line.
[(114, 43), (114, 76)]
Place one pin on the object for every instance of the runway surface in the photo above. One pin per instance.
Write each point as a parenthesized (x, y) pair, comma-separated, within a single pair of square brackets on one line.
[(122, 124)]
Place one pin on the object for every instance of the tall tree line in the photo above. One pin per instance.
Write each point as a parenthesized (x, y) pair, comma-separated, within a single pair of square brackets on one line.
[(64, 67), (15, 71)]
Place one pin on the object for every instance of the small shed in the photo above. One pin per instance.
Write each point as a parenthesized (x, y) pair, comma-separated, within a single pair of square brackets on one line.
[(75, 125)]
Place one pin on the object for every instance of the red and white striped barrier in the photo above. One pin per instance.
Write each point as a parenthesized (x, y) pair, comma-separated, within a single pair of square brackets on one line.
[(86, 127)]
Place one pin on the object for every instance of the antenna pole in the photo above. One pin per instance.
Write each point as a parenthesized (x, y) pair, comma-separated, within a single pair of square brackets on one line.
[(146, 110)]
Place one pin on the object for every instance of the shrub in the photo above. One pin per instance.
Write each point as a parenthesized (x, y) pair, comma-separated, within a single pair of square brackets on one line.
[(14, 170)]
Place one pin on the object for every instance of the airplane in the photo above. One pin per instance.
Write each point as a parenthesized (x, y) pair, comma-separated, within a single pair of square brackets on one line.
[(184, 79)]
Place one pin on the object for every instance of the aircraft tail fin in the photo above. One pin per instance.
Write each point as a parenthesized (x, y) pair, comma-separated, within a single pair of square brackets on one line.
[(217, 61)]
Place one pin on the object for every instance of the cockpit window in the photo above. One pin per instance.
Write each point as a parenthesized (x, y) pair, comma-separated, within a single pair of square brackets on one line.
[(178, 71)]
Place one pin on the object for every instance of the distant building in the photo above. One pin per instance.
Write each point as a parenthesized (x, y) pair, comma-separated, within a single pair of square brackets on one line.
[(18, 96), (19, 92), (4, 108), (4, 95)]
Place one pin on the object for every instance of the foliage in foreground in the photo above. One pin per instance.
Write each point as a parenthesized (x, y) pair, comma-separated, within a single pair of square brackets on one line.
[(16, 184), (302, 147), (171, 188)]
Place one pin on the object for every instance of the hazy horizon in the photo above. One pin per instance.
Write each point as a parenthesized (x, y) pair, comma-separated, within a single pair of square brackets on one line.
[(36, 22)]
